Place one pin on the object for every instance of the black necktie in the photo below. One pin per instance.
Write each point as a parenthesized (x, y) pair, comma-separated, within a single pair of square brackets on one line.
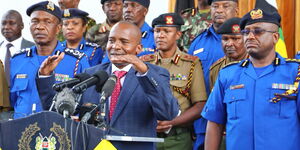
[(7, 62)]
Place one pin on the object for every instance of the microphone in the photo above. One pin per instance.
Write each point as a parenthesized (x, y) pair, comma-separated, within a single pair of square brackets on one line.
[(106, 91), (65, 102), (99, 77), (70, 83)]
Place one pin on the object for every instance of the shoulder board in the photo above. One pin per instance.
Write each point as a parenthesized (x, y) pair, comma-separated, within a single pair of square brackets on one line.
[(92, 44), (149, 57), (231, 63), (188, 57), (74, 53), (26, 51), (292, 60), (217, 62), (298, 53)]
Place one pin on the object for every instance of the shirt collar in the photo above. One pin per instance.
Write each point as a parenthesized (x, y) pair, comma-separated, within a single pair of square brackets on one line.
[(212, 31), (175, 58), (16, 45), (115, 68)]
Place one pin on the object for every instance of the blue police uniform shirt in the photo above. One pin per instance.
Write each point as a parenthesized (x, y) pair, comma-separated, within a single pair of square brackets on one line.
[(24, 67), (147, 41), (92, 50), (208, 47), (241, 101)]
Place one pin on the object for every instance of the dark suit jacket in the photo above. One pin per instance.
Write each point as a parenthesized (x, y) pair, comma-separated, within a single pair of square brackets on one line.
[(142, 101), (25, 43)]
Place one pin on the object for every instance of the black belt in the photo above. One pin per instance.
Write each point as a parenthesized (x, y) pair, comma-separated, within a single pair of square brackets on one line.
[(174, 131)]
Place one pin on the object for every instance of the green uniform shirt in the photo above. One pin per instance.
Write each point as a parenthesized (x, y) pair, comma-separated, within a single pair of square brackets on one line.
[(195, 22)]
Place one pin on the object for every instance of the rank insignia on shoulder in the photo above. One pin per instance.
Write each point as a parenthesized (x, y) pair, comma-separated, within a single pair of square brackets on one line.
[(292, 60), (23, 51), (144, 34), (62, 77), (284, 86), (198, 51), (74, 52), (240, 86), (21, 76)]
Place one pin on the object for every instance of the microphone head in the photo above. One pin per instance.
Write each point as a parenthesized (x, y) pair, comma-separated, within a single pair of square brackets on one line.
[(102, 78), (65, 101), (109, 85), (82, 76)]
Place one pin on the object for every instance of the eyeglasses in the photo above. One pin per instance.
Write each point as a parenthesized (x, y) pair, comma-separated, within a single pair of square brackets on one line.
[(255, 32)]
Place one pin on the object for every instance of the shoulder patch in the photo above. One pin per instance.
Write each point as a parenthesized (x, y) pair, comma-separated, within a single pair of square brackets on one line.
[(217, 62), (92, 44), (74, 53), (26, 51), (292, 60), (231, 63), (188, 57), (149, 57)]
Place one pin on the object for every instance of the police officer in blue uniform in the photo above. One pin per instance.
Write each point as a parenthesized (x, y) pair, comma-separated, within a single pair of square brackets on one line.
[(45, 25), (74, 27), (135, 11), (207, 45), (257, 100)]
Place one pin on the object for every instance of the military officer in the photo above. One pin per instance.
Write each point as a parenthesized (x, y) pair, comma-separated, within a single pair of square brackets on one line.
[(66, 4), (186, 80), (4, 95), (99, 32), (257, 100), (196, 20), (45, 24), (74, 27), (233, 47)]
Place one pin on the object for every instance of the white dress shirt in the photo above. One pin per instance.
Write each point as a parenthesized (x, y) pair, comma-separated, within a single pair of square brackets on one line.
[(16, 47)]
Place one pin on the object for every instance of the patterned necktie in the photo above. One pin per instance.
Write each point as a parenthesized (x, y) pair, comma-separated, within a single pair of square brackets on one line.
[(7, 62), (116, 92)]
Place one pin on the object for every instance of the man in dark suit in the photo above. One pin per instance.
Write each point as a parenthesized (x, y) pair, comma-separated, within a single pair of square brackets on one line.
[(145, 97)]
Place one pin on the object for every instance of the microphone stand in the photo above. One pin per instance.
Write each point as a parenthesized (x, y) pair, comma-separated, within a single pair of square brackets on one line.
[(53, 102)]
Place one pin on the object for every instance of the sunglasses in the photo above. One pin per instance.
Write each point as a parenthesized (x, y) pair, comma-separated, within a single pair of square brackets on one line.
[(255, 32)]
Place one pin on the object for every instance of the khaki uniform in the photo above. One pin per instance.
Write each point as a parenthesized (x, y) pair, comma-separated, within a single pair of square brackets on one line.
[(90, 23), (99, 34), (195, 22), (216, 67), (4, 90), (187, 85)]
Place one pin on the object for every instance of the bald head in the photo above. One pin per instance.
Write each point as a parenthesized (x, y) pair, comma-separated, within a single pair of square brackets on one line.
[(131, 29), (124, 39), (12, 25)]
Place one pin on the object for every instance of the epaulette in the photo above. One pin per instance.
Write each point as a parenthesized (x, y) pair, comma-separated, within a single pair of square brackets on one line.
[(188, 12), (292, 60), (188, 57), (147, 58), (231, 63), (26, 51), (217, 62), (74, 53), (298, 53), (92, 44)]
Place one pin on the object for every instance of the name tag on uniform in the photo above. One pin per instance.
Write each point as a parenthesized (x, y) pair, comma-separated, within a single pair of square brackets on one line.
[(240, 86), (21, 76), (284, 86), (198, 51), (62, 77)]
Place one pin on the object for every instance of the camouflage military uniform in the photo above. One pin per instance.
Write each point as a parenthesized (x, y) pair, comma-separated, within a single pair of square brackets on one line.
[(195, 21), (187, 85), (90, 23), (99, 34)]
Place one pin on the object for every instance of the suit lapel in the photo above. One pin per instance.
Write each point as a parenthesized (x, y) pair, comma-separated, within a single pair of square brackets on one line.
[(129, 86)]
